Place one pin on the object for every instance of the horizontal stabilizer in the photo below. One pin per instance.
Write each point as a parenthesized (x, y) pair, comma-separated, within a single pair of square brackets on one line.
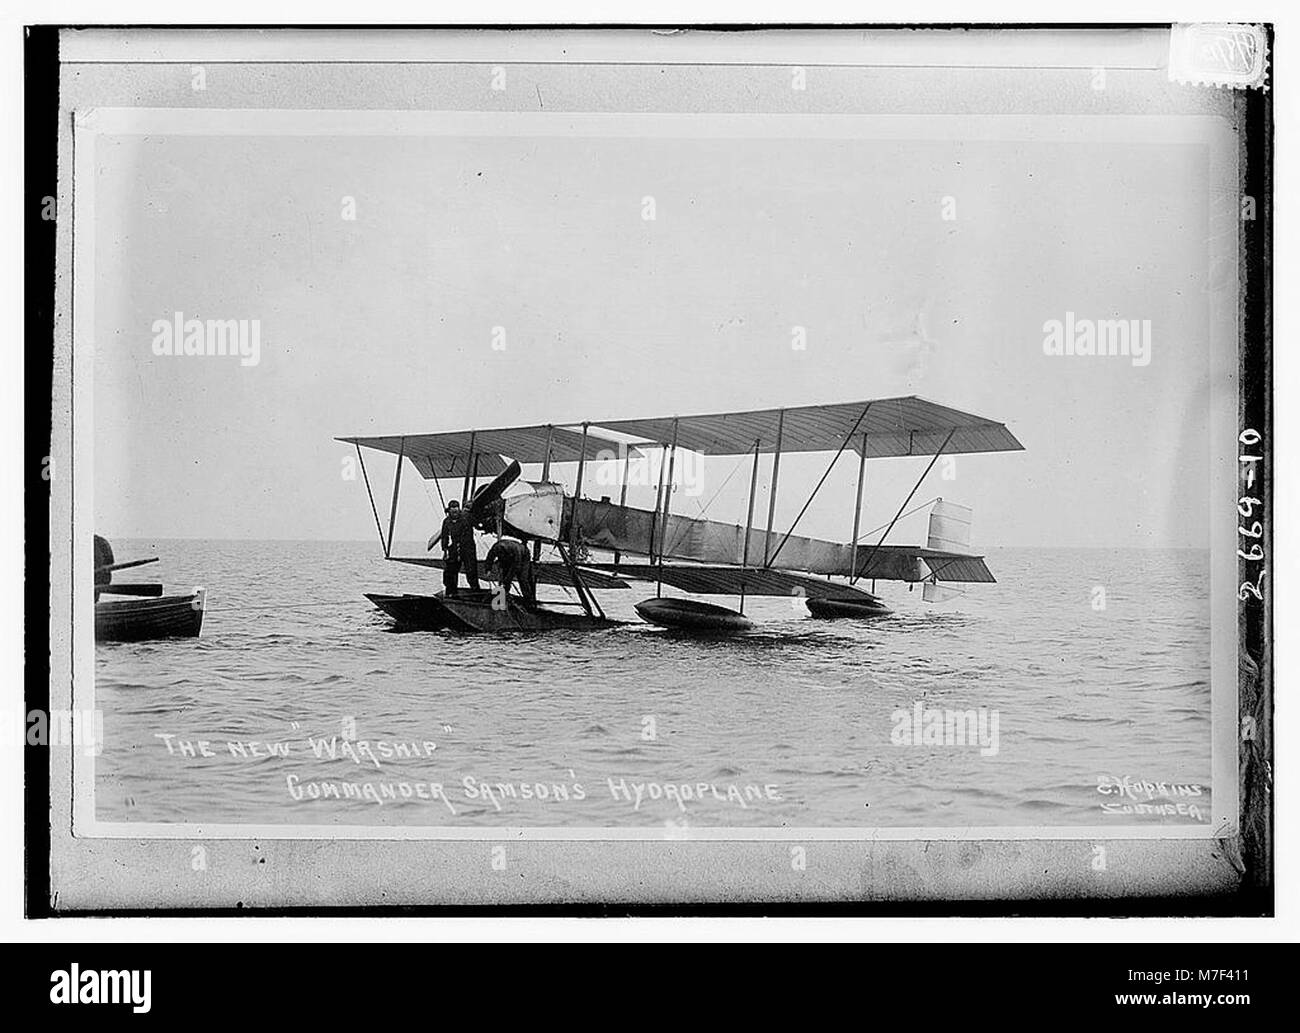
[(913, 563)]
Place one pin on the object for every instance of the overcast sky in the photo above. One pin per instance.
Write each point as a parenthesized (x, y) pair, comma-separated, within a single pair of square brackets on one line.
[(384, 324)]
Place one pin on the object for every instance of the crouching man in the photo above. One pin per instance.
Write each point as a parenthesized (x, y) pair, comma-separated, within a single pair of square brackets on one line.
[(512, 563)]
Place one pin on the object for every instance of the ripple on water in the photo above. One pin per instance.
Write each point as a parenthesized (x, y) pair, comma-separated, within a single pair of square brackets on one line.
[(809, 706)]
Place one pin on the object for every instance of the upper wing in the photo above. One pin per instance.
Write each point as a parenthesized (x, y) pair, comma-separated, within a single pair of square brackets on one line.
[(448, 454), (908, 426), (876, 427)]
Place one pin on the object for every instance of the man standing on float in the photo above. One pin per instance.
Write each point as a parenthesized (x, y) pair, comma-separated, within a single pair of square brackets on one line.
[(458, 549)]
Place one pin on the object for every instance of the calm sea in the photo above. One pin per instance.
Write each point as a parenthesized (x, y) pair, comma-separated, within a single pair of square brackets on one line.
[(1081, 667)]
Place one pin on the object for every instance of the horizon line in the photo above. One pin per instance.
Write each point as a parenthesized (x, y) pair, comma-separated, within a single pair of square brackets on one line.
[(208, 538)]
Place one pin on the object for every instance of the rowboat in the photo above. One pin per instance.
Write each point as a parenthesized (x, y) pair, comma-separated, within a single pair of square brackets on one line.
[(136, 612), (134, 620)]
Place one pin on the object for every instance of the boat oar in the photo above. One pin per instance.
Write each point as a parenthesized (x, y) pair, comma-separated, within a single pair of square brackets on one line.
[(145, 589), (108, 568)]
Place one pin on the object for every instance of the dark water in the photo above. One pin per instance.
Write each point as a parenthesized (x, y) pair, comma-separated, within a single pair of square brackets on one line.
[(794, 724)]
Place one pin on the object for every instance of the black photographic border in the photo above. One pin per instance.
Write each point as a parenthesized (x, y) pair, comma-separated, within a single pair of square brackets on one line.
[(1251, 850)]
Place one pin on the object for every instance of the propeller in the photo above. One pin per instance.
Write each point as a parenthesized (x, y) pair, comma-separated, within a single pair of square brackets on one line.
[(485, 498), (481, 506)]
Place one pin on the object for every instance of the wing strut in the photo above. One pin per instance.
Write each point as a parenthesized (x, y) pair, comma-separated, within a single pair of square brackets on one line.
[(776, 472), (392, 515), (577, 491), (668, 501), (469, 457), (834, 459), (622, 495), (546, 474), (871, 555), (857, 511), (371, 495), (749, 523), (659, 499), (585, 596)]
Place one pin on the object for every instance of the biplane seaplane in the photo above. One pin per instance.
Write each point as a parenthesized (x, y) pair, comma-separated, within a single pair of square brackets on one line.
[(597, 544)]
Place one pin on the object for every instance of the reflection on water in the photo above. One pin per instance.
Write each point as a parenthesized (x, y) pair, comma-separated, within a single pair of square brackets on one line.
[(792, 724)]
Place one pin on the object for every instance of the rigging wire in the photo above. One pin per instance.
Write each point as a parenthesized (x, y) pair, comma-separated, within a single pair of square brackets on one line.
[(915, 509), (701, 510), (425, 485), (705, 508)]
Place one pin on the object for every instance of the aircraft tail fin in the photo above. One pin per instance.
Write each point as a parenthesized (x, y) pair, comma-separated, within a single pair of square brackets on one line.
[(949, 531), (949, 527)]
